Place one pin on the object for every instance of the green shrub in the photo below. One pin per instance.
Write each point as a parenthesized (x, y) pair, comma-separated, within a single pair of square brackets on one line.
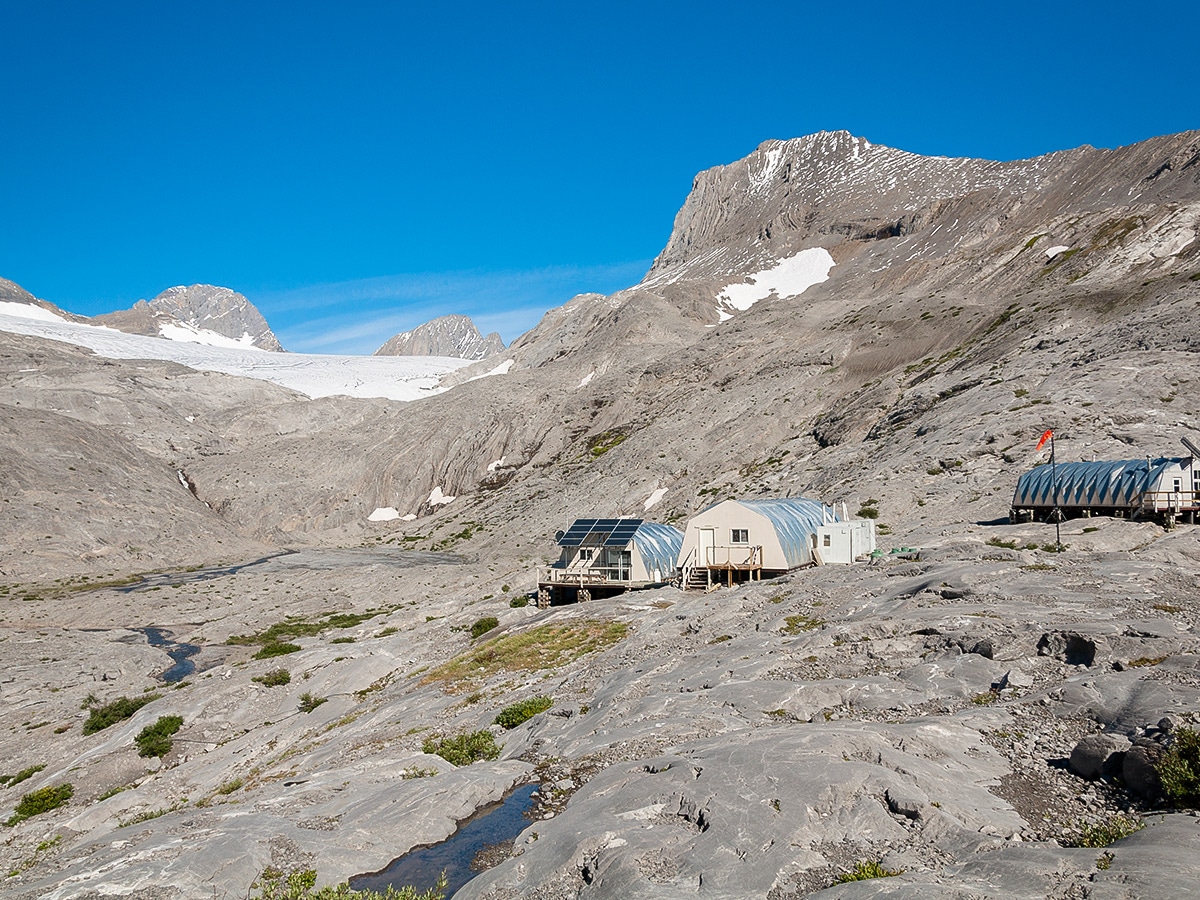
[(868, 512), (1101, 834), (42, 800), (274, 678), (518, 602), (308, 702), (1179, 769), (275, 648), (155, 740), (463, 749), (230, 786), (116, 711), (24, 774), (483, 626), (866, 870), (512, 716), (274, 884)]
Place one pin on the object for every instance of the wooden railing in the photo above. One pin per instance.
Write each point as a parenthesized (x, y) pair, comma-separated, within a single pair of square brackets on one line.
[(733, 557), (578, 576)]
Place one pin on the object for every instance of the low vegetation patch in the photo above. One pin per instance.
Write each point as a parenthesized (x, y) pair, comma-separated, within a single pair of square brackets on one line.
[(800, 623), (1101, 834), (602, 443), (866, 870), (155, 740), (274, 884), (545, 647), (483, 626), (274, 678), (40, 801), (276, 648), (116, 711), (23, 775), (518, 602), (309, 702), (463, 749), (301, 626), (512, 716), (1179, 769)]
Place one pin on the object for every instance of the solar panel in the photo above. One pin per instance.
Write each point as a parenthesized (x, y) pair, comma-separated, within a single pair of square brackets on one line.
[(576, 534), (622, 532), (610, 532)]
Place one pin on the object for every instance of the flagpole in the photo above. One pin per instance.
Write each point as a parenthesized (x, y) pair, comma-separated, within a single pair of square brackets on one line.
[(1057, 511)]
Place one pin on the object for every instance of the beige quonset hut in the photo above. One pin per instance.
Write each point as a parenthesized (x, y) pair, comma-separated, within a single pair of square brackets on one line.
[(604, 557), (743, 540)]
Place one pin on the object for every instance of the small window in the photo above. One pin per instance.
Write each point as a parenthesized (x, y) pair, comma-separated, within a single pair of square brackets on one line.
[(828, 540), (585, 553), (741, 536)]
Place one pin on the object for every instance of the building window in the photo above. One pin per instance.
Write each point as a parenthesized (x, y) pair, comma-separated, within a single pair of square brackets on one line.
[(741, 536), (828, 540), (585, 553)]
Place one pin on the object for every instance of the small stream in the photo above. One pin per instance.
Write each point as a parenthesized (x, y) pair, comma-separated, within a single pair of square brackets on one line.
[(180, 653), (421, 866)]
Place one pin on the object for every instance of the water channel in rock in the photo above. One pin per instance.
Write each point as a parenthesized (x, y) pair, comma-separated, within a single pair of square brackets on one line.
[(498, 824)]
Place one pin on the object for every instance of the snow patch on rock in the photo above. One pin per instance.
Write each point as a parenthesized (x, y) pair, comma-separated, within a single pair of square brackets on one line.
[(190, 334), (28, 311), (437, 498), (789, 277), (653, 499), (384, 514)]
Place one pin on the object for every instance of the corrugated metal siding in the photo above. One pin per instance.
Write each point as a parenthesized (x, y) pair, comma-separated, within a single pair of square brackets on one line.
[(1098, 485), (658, 545), (795, 520)]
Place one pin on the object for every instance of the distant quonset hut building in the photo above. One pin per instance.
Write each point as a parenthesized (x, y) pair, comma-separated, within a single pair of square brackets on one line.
[(1166, 488), (743, 540), (603, 557)]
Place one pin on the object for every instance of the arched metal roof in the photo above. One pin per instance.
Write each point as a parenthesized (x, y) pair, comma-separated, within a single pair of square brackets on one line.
[(659, 546), (795, 520), (1100, 485)]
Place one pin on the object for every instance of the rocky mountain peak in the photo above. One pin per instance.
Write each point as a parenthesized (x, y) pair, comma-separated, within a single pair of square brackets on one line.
[(453, 335), (180, 312)]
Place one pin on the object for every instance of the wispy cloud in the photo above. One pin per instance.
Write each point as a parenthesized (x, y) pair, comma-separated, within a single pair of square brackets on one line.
[(356, 317)]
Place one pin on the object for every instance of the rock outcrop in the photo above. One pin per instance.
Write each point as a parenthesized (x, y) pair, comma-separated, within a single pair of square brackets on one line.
[(198, 307), (454, 336)]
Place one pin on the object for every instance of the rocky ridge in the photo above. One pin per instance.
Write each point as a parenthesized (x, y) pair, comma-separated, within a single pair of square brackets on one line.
[(197, 308), (923, 711), (453, 335)]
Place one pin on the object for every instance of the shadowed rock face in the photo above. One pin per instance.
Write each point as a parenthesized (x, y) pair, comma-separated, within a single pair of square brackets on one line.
[(202, 306), (454, 336), (929, 715)]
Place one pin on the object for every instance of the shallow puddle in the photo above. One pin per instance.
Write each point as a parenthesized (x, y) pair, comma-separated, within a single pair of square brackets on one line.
[(421, 866)]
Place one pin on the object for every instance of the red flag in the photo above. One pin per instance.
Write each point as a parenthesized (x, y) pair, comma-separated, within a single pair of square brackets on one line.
[(1045, 437)]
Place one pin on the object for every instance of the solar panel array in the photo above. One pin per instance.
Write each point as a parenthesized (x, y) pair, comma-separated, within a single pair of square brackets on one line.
[(607, 532)]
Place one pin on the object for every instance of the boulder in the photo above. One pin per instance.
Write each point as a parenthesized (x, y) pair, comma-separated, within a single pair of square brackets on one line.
[(1099, 755), (1139, 771)]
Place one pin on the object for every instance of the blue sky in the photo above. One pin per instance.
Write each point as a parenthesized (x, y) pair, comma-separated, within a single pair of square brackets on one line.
[(358, 168)]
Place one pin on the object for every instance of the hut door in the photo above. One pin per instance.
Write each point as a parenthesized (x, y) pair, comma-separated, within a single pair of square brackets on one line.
[(706, 542)]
